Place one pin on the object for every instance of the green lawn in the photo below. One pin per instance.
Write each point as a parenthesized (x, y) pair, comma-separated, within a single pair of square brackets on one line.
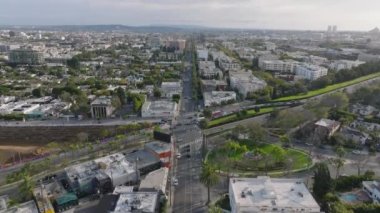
[(243, 165), (327, 89), (234, 117)]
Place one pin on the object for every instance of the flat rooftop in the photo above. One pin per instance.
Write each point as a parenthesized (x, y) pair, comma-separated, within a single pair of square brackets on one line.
[(268, 193), (158, 146), (137, 202), (155, 180)]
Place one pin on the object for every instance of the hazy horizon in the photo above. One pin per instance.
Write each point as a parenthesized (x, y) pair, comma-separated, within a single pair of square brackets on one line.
[(239, 14)]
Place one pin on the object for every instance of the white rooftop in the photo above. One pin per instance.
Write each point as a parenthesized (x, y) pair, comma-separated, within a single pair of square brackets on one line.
[(137, 202), (28, 207), (266, 194)]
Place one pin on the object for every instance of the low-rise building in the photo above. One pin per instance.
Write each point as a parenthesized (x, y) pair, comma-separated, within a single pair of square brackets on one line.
[(327, 127), (211, 85), (363, 110), (310, 72), (169, 89), (189, 140), (373, 190), (27, 207), (102, 107), (51, 197), (144, 160), (146, 202), (155, 181), (357, 136), (162, 150), (159, 109), (202, 55), (245, 82), (118, 169), (265, 194), (218, 97)]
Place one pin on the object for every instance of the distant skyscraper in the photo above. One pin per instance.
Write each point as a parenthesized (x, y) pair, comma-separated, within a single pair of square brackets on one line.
[(335, 29), (329, 28)]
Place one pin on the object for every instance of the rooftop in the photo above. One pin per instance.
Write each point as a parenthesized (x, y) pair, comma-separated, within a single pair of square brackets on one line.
[(158, 146), (327, 123), (27, 207), (264, 192), (137, 202), (156, 180), (115, 165), (102, 100)]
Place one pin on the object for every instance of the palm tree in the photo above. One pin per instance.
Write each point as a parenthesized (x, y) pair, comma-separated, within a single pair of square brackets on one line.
[(208, 177), (339, 162), (26, 187)]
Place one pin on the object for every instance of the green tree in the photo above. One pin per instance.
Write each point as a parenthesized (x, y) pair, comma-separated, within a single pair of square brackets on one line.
[(207, 113), (257, 133), (37, 92), (322, 181), (26, 187), (73, 63), (115, 101), (208, 177), (121, 94), (285, 140), (157, 92), (339, 161), (203, 124), (214, 209)]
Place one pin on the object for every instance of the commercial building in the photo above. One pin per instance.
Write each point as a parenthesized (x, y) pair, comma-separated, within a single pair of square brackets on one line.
[(127, 202), (86, 179), (155, 181), (159, 109), (162, 150), (53, 197), (218, 97), (265, 194), (310, 72), (244, 82), (372, 188), (144, 160), (101, 107), (228, 64), (169, 89), (118, 169), (25, 57)]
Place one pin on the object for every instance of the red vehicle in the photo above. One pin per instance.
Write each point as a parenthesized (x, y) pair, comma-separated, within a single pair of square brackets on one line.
[(217, 114)]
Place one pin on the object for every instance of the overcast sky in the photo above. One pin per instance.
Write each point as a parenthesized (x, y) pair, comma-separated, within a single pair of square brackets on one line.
[(268, 14)]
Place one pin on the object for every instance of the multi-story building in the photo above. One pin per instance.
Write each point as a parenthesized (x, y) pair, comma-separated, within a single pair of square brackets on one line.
[(344, 64), (25, 56), (208, 70), (279, 66), (373, 190), (155, 181), (218, 97), (310, 72), (202, 54), (102, 107), (228, 64), (265, 194), (245, 82)]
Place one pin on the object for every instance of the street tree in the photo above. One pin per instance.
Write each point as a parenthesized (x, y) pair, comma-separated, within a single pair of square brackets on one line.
[(322, 181), (208, 177), (26, 187)]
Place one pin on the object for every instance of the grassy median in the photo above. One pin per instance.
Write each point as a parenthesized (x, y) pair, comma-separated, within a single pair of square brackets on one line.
[(235, 117), (328, 88)]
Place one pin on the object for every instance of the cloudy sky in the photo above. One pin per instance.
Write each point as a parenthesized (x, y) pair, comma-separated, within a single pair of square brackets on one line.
[(267, 14)]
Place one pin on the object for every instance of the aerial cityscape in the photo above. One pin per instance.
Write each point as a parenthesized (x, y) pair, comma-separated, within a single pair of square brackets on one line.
[(189, 106)]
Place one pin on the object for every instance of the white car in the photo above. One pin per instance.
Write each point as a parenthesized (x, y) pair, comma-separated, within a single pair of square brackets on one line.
[(175, 181), (358, 152), (178, 155)]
